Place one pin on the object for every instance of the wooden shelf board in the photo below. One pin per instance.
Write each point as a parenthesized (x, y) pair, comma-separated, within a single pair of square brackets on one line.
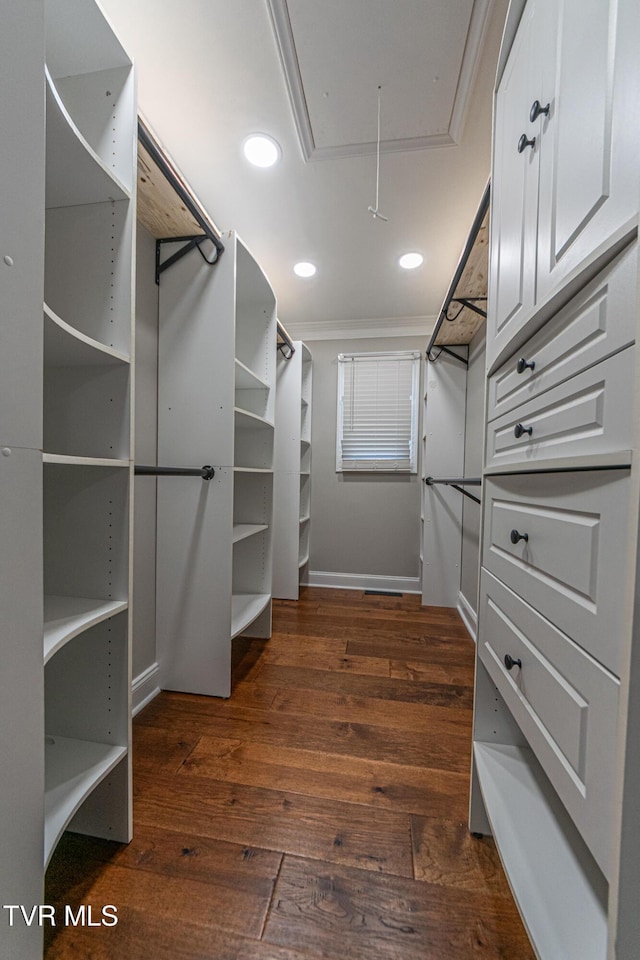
[(160, 209), (66, 617), (243, 530), (64, 346), (252, 470), (72, 769), (245, 608), (66, 460), (547, 864), (305, 519), (473, 283)]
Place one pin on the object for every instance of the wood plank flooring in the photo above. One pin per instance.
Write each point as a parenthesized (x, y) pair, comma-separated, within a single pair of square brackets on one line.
[(318, 813)]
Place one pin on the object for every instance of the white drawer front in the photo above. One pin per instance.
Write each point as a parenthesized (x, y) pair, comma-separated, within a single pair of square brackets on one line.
[(593, 326), (565, 703), (587, 415), (571, 566)]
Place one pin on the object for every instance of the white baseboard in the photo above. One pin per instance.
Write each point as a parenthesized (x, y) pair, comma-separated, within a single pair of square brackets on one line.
[(144, 688), (360, 581), (469, 616)]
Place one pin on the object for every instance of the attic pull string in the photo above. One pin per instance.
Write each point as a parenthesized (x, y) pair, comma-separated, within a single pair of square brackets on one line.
[(371, 210)]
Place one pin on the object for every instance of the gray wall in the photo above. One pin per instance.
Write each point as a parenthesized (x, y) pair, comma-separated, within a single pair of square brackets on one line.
[(360, 524), (146, 422), (474, 420)]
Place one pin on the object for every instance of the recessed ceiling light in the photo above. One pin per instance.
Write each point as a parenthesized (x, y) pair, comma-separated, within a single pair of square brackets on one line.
[(304, 269), (409, 261), (260, 150)]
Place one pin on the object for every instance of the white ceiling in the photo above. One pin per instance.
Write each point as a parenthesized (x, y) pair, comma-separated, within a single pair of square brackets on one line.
[(212, 71)]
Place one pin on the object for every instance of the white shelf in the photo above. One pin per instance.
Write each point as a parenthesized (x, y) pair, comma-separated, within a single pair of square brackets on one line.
[(305, 473), (253, 470), (246, 379), (247, 420), (65, 460), (305, 519), (66, 617), (72, 769), (64, 346), (243, 530), (554, 880), (245, 607), (75, 173)]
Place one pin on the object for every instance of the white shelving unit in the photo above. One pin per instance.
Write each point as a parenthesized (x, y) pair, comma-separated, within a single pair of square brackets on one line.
[(293, 472), (216, 405), (87, 452), (67, 166)]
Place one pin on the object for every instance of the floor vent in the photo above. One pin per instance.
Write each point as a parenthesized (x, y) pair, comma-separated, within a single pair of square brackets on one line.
[(381, 593)]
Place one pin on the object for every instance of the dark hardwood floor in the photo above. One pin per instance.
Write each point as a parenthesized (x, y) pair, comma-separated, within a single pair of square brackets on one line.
[(318, 813)]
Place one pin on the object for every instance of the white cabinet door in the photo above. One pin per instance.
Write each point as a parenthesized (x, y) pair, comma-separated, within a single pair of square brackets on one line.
[(590, 140), (514, 191)]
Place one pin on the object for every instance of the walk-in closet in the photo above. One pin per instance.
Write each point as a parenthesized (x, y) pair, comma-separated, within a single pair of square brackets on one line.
[(319, 480)]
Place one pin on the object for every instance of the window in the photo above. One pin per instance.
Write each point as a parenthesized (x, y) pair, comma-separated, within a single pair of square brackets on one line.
[(378, 412)]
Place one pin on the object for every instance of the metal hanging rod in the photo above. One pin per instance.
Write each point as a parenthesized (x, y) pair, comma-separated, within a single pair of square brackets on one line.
[(458, 483), (450, 297), (207, 472)]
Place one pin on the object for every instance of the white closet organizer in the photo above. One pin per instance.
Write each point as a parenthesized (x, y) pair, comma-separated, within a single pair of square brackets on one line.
[(216, 405), (293, 472), (556, 769), (87, 456)]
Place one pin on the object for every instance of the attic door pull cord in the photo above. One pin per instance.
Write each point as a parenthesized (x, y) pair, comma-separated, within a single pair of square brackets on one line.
[(371, 209)]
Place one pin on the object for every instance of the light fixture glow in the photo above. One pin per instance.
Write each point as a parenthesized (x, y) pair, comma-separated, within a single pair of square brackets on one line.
[(409, 261), (260, 150), (304, 269)]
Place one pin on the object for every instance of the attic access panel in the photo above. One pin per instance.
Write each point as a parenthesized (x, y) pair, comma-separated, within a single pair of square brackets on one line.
[(335, 54)]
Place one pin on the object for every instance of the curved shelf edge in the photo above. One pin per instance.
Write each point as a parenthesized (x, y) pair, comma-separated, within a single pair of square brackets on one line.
[(247, 419), (246, 379), (81, 341), (75, 172), (243, 530), (245, 608), (73, 768), (67, 617)]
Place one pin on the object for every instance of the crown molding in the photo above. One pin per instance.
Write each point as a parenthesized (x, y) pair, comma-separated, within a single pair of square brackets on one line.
[(360, 329)]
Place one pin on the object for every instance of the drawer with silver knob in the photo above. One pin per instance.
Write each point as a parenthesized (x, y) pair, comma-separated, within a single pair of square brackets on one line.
[(556, 539), (564, 702)]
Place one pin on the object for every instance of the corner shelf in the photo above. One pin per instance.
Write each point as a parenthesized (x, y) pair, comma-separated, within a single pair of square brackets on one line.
[(243, 530), (67, 617), (73, 768), (245, 608)]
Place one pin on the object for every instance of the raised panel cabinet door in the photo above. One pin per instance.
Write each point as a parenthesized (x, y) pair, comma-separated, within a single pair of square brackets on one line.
[(589, 181), (514, 188)]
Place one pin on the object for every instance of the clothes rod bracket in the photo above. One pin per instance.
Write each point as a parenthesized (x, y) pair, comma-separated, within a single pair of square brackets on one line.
[(207, 472), (458, 483)]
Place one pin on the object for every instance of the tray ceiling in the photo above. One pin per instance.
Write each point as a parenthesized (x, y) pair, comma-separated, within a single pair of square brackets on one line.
[(336, 54)]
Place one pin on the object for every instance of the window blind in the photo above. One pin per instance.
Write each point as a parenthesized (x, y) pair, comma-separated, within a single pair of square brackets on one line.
[(378, 412)]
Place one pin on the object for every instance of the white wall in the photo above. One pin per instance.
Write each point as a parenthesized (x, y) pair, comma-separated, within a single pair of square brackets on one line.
[(364, 528), (146, 428)]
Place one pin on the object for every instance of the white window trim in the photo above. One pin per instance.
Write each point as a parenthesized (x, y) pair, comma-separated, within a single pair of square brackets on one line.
[(380, 466)]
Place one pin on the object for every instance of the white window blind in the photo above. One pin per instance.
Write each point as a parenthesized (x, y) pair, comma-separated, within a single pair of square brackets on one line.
[(378, 412)]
